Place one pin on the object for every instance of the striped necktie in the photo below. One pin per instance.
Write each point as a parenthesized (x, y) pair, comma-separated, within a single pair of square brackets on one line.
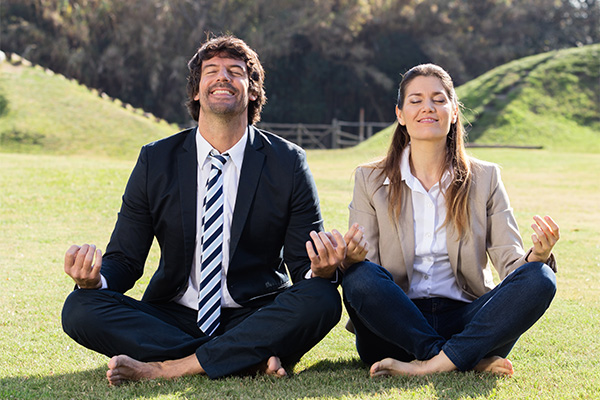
[(209, 299)]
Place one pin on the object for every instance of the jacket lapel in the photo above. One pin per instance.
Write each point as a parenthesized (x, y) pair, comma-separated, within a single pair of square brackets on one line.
[(252, 167), (453, 243), (187, 164), (406, 232)]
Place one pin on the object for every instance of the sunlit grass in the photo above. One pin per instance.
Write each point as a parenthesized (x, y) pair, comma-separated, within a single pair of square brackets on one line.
[(52, 115), (49, 202)]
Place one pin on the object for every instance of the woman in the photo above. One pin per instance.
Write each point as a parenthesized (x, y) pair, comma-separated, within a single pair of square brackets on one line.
[(425, 301)]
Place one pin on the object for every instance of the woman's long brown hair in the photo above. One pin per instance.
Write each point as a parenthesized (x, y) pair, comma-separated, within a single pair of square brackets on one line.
[(457, 161)]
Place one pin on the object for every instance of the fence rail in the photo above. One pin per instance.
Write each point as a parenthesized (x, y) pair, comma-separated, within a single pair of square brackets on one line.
[(342, 134), (338, 134)]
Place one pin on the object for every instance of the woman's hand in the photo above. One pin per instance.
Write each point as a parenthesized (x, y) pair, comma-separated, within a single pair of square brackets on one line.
[(357, 246), (545, 237)]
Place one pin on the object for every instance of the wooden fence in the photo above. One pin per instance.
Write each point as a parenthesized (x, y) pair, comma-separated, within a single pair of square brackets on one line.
[(339, 134)]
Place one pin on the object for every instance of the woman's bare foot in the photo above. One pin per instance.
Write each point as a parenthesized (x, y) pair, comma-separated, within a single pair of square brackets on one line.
[(440, 363), (496, 365), (390, 366), (273, 367)]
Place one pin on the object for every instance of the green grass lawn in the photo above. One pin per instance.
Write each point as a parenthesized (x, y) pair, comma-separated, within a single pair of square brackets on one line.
[(50, 202)]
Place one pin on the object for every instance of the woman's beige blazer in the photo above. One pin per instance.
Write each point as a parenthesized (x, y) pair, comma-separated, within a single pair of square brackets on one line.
[(493, 230)]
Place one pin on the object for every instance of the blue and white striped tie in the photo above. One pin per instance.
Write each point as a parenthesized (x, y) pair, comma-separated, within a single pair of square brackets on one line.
[(209, 306)]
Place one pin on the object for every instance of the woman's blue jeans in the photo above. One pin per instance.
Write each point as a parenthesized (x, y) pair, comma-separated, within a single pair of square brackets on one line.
[(389, 324)]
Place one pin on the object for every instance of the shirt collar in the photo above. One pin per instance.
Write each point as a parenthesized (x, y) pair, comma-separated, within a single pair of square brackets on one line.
[(236, 153)]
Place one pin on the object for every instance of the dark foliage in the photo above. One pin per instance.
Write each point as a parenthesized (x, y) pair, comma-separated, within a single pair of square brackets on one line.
[(324, 59)]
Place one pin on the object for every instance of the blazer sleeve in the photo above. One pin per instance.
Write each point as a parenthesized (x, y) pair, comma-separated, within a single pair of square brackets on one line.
[(505, 245), (305, 216), (362, 211), (130, 242)]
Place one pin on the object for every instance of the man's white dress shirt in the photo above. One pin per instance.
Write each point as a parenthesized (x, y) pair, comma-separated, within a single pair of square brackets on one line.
[(231, 179)]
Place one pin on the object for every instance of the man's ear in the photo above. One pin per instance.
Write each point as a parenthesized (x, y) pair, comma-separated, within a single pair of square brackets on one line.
[(252, 96)]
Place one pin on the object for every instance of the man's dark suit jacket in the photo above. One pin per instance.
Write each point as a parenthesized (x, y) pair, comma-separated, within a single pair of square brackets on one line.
[(276, 208)]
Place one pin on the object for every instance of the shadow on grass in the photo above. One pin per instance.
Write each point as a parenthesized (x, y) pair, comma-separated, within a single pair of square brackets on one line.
[(327, 378), (355, 380)]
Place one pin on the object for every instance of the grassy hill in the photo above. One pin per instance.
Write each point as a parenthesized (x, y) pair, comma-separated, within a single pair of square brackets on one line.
[(550, 100), (41, 112)]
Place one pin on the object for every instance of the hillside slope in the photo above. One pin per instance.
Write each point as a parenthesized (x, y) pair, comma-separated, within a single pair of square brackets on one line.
[(41, 112), (550, 100)]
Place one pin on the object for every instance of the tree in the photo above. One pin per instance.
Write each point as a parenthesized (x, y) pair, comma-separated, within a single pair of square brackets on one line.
[(324, 58)]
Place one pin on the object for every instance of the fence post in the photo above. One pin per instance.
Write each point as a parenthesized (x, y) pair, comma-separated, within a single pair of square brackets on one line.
[(299, 135), (335, 133), (361, 125)]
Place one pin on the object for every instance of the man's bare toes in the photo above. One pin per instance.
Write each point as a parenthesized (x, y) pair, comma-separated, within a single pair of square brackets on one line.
[(274, 367), (113, 378), (124, 368), (112, 374)]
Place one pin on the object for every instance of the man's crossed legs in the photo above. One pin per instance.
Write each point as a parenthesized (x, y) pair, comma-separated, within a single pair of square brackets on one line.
[(147, 341)]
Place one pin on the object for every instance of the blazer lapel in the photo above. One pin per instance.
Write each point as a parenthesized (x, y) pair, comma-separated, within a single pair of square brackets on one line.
[(453, 243), (187, 164), (406, 232), (252, 166)]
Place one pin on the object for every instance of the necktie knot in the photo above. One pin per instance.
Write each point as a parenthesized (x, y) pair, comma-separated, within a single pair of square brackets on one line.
[(218, 160)]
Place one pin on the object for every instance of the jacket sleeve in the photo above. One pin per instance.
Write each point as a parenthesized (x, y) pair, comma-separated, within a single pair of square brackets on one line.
[(130, 242), (504, 243), (305, 216), (362, 211)]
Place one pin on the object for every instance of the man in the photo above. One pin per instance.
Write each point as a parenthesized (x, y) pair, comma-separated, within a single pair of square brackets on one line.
[(230, 206)]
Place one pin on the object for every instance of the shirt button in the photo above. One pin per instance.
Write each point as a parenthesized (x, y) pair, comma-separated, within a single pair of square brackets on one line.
[(426, 277)]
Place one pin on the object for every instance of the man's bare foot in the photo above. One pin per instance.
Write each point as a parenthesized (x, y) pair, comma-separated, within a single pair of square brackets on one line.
[(496, 365), (273, 367), (124, 368), (390, 366)]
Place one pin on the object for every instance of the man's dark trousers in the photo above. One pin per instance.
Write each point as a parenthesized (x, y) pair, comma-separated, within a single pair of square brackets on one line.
[(295, 321)]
